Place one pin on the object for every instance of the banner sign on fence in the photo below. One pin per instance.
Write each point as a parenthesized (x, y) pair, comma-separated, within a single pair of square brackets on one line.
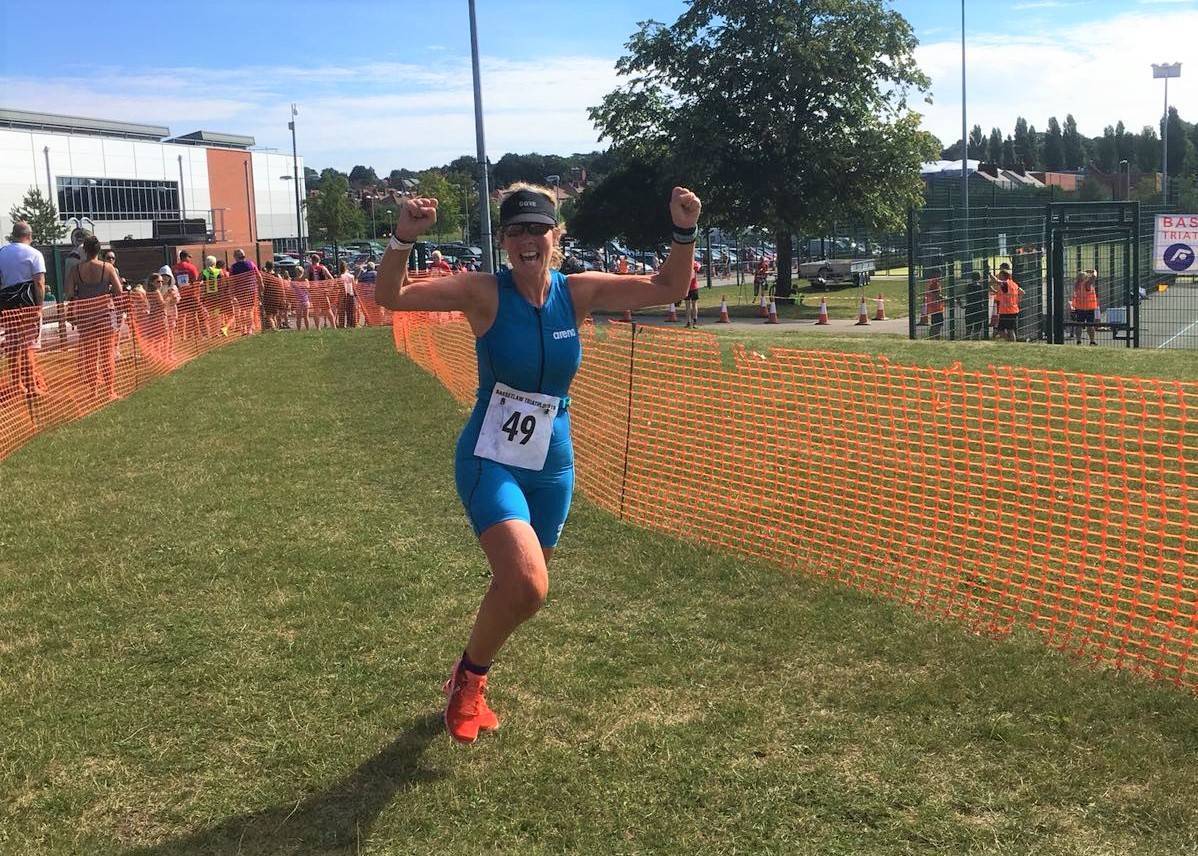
[(1175, 243)]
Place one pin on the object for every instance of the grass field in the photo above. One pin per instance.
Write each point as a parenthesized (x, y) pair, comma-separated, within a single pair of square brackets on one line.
[(228, 602), (1172, 365)]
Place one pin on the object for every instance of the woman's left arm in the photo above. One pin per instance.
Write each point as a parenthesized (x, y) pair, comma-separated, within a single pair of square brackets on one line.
[(597, 290)]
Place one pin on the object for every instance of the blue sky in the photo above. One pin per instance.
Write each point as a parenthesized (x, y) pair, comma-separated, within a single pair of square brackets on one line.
[(388, 83)]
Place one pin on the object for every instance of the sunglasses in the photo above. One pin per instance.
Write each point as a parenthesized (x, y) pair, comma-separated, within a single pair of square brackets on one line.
[(517, 229)]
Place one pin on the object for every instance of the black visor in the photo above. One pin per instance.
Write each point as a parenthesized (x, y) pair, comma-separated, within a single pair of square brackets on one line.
[(525, 206)]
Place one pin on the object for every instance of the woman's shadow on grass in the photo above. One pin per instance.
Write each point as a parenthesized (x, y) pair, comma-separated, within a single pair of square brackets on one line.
[(338, 820)]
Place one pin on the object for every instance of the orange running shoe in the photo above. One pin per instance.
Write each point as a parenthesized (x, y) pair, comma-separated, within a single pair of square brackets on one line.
[(466, 710)]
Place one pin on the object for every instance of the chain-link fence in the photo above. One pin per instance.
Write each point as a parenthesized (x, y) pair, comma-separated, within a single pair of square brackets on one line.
[(1084, 272)]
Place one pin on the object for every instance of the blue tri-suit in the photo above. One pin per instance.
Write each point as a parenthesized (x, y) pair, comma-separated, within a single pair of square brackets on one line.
[(534, 350)]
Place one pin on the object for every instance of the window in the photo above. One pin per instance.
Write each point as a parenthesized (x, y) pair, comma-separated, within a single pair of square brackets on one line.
[(118, 198)]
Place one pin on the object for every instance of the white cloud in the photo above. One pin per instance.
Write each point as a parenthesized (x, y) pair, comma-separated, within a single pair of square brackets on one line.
[(1100, 72)]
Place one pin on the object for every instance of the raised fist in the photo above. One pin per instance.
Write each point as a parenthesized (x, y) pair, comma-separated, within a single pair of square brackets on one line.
[(414, 218), (684, 208)]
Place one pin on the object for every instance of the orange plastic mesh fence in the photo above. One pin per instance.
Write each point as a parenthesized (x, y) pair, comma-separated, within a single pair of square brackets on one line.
[(1061, 503), (63, 361)]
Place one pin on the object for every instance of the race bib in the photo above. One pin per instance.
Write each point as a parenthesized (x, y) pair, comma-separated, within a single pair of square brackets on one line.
[(517, 428), (182, 278)]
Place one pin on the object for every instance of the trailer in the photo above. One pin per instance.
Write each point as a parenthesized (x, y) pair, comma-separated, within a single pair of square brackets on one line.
[(857, 271)]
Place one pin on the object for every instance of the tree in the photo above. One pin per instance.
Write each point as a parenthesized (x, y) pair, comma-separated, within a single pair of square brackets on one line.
[(1009, 160), (41, 215), (1177, 143), (994, 146), (360, 176), (977, 144), (790, 114), (1148, 150), (1036, 148), (616, 207), (1025, 153), (1054, 147), (449, 199), (1125, 144), (311, 178), (1073, 149), (329, 174), (1107, 150), (333, 216)]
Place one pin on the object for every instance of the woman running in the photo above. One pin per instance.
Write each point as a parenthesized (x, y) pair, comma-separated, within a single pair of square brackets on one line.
[(514, 464)]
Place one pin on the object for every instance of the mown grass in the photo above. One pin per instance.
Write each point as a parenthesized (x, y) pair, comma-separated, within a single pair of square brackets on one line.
[(227, 604), (1117, 361)]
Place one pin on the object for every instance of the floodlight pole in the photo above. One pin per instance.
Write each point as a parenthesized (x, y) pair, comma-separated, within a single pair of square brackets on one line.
[(299, 229), (1164, 71), (484, 196)]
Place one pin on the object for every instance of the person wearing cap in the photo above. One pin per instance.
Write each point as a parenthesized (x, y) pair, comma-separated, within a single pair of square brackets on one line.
[(1006, 291), (514, 465), (22, 290)]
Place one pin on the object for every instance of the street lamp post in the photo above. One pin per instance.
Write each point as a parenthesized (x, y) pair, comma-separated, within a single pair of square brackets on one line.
[(1125, 168), (964, 148), (1164, 71), (299, 229), (182, 198), (484, 197)]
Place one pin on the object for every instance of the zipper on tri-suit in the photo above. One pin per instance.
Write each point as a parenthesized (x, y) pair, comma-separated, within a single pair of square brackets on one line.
[(541, 339)]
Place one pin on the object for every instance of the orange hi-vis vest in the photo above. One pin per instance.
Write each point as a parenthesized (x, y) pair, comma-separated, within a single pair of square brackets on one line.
[(1085, 296), (934, 297), (1008, 301)]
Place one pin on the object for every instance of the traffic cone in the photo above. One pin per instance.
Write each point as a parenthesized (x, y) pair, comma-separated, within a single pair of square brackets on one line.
[(724, 319), (823, 311), (880, 311), (627, 316), (862, 314), (763, 308), (923, 313), (671, 315), (772, 318)]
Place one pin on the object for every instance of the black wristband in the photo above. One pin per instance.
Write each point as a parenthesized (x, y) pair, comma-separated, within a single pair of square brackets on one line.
[(684, 238), (685, 232)]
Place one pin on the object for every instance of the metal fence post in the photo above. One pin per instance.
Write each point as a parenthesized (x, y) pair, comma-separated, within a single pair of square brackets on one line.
[(911, 271)]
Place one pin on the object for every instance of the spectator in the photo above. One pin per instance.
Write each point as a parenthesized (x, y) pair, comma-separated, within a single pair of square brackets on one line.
[(155, 307), (170, 300), (1006, 293), (761, 279), (933, 296), (301, 299), (315, 270), (185, 271), (93, 293), (1085, 304), (622, 265), (247, 282), (349, 307), (439, 264), (22, 290), (977, 313), (369, 274), (109, 257), (692, 297)]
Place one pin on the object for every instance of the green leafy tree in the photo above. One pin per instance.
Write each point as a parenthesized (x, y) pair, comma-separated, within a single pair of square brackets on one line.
[(994, 146), (41, 215), (791, 113), (977, 143), (1054, 147), (1009, 161), (1073, 149), (1177, 143), (1148, 150), (334, 217), (449, 202), (361, 176), (621, 206), (1125, 144), (1106, 151), (1025, 144)]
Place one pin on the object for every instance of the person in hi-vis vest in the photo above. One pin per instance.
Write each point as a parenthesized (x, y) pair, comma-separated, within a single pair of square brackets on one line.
[(1084, 304), (1006, 291)]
